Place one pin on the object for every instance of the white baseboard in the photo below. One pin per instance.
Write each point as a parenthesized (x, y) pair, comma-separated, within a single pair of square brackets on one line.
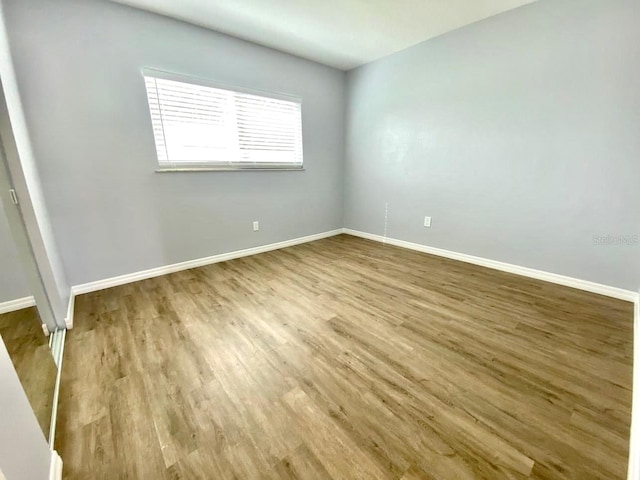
[(200, 262), (607, 290), (496, 265), (68, 321), (633, 472), (17, 304), (55, 471)]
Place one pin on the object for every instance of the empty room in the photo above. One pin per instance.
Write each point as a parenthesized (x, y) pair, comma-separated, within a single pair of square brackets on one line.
[(319, 239)]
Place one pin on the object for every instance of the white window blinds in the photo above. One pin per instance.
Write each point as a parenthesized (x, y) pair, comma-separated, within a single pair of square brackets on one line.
[(201, 126)]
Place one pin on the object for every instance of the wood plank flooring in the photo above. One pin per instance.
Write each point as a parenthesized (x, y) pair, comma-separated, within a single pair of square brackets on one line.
[(29, 350), (346, 359)]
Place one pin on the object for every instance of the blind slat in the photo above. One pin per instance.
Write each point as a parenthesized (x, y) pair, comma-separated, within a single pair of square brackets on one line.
[(195, 124)]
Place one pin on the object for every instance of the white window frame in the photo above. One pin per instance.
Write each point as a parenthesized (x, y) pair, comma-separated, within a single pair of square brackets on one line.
[(227, 165)]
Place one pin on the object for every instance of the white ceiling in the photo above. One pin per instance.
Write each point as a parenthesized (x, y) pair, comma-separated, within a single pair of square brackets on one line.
[(340, 33)]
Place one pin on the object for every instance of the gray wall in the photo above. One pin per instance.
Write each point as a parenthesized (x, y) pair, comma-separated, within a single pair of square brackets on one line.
[(78, 66), (13, 284), (519, 135)]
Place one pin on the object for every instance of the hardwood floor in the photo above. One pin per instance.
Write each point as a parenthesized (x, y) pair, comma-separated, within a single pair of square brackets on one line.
[(29, 350), (346, 359)]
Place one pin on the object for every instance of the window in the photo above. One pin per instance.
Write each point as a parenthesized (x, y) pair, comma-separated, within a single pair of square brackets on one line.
[(200, 126)]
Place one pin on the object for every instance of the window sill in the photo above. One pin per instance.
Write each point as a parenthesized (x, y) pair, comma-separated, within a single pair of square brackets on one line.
[(229, 169)]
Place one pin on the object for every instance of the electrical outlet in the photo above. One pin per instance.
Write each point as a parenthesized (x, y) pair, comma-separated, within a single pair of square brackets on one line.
[(427, 222), (256, 226)]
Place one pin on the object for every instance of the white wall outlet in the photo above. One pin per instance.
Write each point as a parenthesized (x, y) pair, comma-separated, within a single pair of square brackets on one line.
[(256, 226), (427, 222)]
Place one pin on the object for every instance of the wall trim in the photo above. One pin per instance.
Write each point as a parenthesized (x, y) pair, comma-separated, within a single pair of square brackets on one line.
[(55, 471), (17, 304), (633, 472), (199, 262), (588, 286), (68, 321)]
